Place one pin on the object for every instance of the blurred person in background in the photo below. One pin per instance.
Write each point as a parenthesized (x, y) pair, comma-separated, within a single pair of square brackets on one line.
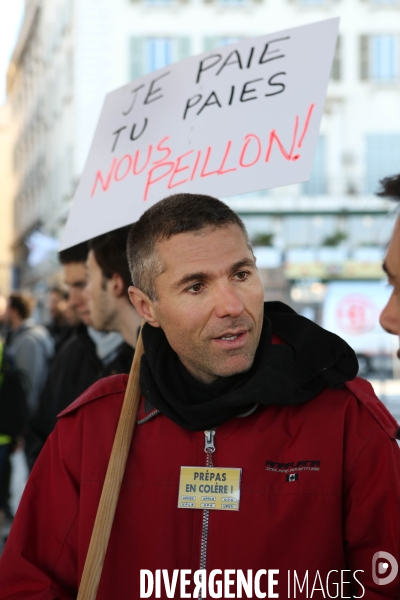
[(107, 289), (58, 327), (13, 419), (71, 315), (390, 316), (29, 348), (88, 355), (6, 440), (28, 345)]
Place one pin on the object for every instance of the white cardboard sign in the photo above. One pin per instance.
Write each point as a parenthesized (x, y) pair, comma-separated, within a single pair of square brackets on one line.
[(241, 118)]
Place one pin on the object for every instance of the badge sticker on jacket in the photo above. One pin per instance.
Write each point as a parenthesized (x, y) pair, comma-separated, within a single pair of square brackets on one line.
[(213, 488)]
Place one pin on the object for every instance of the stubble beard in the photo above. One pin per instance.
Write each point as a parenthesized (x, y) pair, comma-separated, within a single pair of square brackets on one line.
[(102, 318), (215, 366)]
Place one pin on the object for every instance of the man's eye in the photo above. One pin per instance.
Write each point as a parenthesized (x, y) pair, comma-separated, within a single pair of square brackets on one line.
[(242, 275), (195, 288)]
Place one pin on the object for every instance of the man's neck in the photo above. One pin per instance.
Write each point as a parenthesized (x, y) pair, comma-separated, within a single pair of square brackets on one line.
[(59, 321), (127, 322)]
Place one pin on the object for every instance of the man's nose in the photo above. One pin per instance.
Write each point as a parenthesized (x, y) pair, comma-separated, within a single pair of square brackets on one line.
[(228, 301), (390, 316), (76, 298), (72, 300)]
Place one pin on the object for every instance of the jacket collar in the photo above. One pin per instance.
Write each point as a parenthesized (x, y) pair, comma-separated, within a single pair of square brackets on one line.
[(146, 412), (289, 374)]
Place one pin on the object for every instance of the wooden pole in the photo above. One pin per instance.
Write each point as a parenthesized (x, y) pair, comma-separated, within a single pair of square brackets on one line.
[(112, 484)]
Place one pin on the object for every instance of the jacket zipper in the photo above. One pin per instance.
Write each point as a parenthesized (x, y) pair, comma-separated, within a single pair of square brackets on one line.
[(249, 412), (148, 417), (209, 449)]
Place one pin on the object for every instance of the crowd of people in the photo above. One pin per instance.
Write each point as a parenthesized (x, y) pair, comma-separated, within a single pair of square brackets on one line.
[(91, 333)]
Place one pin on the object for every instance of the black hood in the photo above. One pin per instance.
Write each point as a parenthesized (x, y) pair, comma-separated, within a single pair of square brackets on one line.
[(282, 374)]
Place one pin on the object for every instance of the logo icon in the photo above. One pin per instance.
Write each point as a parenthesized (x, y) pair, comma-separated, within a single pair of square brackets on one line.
[(380, 566), (357, 314)]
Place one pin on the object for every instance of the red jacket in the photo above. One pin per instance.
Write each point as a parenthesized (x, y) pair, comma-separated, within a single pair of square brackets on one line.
[(335, 517)]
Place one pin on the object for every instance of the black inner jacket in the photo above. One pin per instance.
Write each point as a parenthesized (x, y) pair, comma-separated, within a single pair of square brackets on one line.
[(289, 374)]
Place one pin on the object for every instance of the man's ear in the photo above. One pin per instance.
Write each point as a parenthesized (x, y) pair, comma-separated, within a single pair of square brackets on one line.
[(144, 306), (117, 286)]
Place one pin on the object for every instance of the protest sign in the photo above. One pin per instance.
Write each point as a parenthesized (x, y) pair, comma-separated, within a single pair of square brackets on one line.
[(241, 118)]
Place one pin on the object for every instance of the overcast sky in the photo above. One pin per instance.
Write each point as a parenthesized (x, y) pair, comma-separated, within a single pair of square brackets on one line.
[(11, 12)]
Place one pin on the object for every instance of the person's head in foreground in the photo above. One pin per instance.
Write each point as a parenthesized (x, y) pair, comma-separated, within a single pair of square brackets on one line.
[(390, 316), (195, 276)]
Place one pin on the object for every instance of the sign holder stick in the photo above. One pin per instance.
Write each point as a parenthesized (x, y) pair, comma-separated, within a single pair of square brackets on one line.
[(112, 483)]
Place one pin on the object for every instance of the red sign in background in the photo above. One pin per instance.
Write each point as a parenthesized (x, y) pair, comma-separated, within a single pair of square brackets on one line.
[(357, 314)]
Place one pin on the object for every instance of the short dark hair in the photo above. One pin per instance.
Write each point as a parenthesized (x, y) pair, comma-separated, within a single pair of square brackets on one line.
[(390, 187), (110, 254), (22, 302), (179, 213), (75, 254)]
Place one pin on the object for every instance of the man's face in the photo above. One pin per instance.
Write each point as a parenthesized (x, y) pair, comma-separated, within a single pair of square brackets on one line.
[(390, 316), (101, 300), (75, 279), (210, 301), (57, 305)]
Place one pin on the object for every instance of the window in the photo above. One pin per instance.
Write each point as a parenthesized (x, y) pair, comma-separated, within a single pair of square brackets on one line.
[(336, 73), (225, 41), (379, 58), (210, 43), (313, 2), (158, 2), (152, 53), (302, 232), (365, 235), (385, 2), (233, 2), (157, 54), (317, 184), (383, 158), (384, 57)]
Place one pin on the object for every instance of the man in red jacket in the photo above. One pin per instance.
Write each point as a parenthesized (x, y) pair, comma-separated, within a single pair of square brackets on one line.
[(259, 467)]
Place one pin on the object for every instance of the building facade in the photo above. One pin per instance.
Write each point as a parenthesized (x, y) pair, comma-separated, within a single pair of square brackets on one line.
[(70, 53), (7, 193)]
